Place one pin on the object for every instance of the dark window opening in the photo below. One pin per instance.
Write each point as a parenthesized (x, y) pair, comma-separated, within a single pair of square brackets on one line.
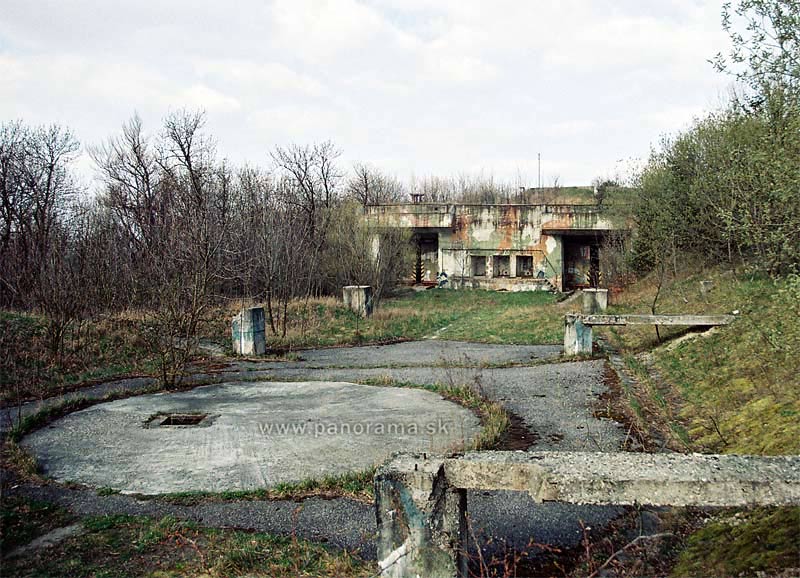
[(501, 266), (525, 266), (478, 265)]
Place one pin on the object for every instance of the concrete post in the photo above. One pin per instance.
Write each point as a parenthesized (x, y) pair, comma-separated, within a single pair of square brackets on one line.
[(595, 301), (421, 520), (577, 336), (358, 298), (247, 332)]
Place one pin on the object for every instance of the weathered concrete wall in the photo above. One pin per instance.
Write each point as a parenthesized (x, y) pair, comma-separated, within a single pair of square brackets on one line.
[(594, 301), (578, 327), (577, 336), (506, 223), (628, 478), (421, 521)]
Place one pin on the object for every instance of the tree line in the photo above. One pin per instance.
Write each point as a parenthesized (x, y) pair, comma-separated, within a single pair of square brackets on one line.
[(175, 230), (728, 188)]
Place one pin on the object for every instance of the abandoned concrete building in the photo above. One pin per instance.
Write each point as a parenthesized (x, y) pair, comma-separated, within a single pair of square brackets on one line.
[(509, 247)]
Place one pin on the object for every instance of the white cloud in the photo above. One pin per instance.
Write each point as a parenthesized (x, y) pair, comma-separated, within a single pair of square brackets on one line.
[(248, 75), (320, 30), (202, 97), (419, 86)]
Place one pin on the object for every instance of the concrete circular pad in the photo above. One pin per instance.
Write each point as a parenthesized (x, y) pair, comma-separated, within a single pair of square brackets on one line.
[(255, 435)]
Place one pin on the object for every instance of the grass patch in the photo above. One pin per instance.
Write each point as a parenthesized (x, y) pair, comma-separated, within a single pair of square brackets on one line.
[(19, 460), (22, 520), (745, 543), (735, 389), (94, 350), (137, 546), (356, 485), (482, 316)]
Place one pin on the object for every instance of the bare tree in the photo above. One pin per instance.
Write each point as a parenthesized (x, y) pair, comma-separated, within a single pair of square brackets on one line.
[(36, 189), (173, 199), (369, 186), (310, 177), (129, 167)]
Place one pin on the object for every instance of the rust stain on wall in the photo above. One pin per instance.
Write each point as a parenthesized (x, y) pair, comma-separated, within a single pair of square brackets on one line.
[(461, 232)]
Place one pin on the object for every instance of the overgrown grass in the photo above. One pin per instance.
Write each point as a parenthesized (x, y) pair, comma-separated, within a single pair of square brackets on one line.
[(137, 546), (112, 347), (483, 316), (22, 520), (735, 389), (93, 351), (745, 543)]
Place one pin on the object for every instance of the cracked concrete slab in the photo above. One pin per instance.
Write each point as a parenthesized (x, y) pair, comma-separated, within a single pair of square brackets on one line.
[(256, 435)]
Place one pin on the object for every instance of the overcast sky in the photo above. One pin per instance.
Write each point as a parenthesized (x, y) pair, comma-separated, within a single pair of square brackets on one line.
[(416, 87)]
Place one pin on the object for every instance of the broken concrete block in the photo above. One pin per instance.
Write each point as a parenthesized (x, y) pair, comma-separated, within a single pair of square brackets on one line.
[(421, 502), (358, 298), (248, 332), (577, 336), (421, 520)]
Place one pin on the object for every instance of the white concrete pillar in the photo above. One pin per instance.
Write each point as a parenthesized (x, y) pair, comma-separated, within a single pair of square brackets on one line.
[(358, 298), (248, 332)]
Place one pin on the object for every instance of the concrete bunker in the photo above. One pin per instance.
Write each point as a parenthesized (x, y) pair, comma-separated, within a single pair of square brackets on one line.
[(503, 246)]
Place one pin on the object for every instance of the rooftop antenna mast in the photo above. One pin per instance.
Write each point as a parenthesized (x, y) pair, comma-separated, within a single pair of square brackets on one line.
[(540, 171)]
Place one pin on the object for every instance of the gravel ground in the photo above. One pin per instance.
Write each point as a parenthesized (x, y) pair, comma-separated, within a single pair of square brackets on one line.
[(554, 400), (415, 354), (342, 523)]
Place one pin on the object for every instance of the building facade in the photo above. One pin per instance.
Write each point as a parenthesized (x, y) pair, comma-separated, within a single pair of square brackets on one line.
[(503, 247)]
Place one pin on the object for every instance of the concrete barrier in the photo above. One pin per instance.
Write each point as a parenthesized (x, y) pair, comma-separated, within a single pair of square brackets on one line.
[(578, 327), (248, 332), (421, 502), (594, 301), (358, 298)]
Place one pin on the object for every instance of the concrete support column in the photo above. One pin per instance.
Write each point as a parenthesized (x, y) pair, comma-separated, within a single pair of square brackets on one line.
[(577, 336), (594, 301), (421, 503), (358, 298), (247, 332), (421, 521)]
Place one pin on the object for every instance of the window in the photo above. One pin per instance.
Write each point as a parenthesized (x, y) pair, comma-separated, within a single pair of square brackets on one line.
[(478, 264), (525, 266), (501, 267)]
